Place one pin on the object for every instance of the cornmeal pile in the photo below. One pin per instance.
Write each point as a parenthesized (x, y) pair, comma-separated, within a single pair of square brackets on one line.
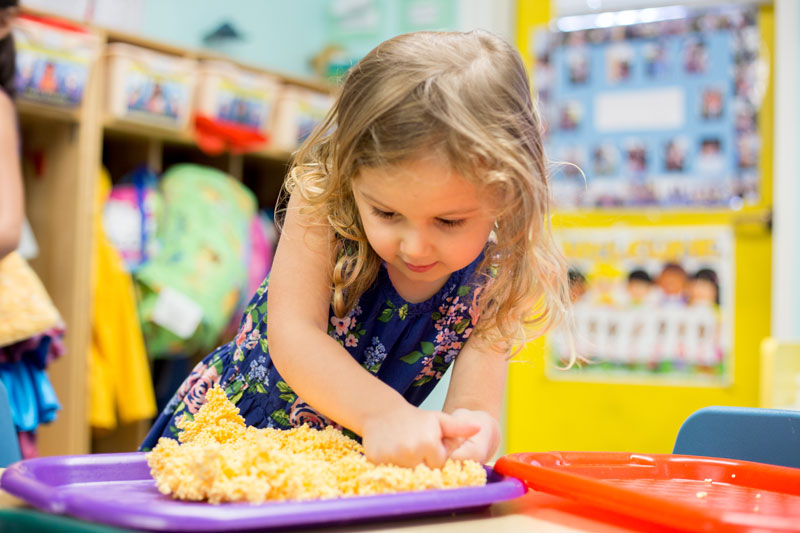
[(222, 460)]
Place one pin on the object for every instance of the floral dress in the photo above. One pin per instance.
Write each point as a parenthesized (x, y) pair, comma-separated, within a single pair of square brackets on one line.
[(408, 346)]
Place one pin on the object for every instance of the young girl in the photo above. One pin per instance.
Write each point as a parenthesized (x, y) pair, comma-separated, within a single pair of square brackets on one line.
[(416, 235)]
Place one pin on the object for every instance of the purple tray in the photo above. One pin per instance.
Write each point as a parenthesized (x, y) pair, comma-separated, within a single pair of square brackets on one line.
[(116, 489)]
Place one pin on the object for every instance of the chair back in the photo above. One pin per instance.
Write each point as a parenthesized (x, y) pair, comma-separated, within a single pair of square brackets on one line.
[(745, 433)]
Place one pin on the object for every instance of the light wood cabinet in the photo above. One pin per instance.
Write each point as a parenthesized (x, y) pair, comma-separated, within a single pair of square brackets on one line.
[(63, 150)]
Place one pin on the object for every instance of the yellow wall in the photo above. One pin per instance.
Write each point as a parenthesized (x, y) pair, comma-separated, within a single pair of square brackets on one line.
[(530, 13), (546, 415)]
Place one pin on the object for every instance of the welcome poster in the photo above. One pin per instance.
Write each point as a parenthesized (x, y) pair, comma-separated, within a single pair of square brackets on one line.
[(649, 305)]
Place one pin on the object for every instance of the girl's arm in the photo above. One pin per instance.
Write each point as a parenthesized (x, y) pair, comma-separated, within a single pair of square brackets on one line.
[(323, 373), (476, 395), (11, 198)]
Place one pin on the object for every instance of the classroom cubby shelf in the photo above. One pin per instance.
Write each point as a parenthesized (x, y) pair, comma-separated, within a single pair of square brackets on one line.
[(63, 150)]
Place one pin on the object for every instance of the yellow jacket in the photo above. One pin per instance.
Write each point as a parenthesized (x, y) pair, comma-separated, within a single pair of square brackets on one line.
[(119, 372)]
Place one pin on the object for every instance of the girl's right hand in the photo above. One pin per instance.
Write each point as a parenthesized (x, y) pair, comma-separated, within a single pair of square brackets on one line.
[(410, 436)]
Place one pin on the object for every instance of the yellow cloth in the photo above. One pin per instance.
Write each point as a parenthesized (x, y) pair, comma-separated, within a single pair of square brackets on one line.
[(25, 307), (119, 371)]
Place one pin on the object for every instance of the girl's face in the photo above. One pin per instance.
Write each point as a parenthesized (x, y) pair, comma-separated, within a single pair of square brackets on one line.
[(423, 219)]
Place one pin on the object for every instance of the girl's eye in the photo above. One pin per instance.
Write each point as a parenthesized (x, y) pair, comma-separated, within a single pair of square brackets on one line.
[(451, 223), (382, 214)]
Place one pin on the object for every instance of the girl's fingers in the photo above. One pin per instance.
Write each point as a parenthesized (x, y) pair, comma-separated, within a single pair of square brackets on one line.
[(451, 444), (435, 456), (453, 427)]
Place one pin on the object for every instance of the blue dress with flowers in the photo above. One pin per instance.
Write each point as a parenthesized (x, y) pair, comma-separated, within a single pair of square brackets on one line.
[(408, 346)]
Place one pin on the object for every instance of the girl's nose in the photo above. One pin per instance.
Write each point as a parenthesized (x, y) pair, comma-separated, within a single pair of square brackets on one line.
[(414, 245)]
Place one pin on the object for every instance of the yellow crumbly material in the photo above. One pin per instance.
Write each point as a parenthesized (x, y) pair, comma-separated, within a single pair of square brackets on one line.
[(221, 460)]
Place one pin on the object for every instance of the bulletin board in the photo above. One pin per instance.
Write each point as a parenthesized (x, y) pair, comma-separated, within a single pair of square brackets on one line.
[(624, 409), (654, 114), (650, 305)]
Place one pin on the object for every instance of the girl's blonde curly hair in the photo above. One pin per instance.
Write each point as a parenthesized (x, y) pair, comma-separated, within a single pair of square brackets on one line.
[(467, 96)]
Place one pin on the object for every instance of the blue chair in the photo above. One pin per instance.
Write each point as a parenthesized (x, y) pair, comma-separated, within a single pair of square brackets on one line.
[(745, 433), (9, 445)]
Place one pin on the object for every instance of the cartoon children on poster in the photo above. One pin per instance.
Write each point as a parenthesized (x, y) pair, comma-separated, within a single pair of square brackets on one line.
[(649, 303)]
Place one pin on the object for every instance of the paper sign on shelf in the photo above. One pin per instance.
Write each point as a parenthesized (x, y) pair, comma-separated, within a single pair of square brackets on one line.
[(177, 312)]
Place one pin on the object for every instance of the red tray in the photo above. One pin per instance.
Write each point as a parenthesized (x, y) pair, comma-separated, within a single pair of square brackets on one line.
[(681, 491)]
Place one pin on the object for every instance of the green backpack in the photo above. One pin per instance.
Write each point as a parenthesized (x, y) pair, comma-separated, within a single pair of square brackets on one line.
[(190, 289)]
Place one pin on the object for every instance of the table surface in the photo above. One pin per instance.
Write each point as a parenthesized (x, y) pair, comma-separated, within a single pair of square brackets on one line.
[(534, 511)]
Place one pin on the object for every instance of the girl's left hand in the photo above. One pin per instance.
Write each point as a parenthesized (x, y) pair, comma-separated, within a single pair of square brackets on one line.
[(481, 446)]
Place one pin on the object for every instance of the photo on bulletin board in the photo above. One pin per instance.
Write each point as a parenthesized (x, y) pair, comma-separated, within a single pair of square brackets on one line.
[(667, 111), (651, 305)]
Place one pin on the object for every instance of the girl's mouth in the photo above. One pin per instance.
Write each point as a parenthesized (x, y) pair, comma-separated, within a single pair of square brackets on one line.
[(419, 268)]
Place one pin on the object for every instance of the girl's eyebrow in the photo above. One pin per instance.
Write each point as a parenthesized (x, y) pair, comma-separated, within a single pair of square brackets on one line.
[(460, 212), (375, 201), (453, 212)]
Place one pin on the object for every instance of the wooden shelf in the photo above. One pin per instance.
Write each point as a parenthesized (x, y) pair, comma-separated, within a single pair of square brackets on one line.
[(154, 131), (273, 154), (28, 108), (63, 150), (115, 36), (151, 130), (112, 35), (123, 127)]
